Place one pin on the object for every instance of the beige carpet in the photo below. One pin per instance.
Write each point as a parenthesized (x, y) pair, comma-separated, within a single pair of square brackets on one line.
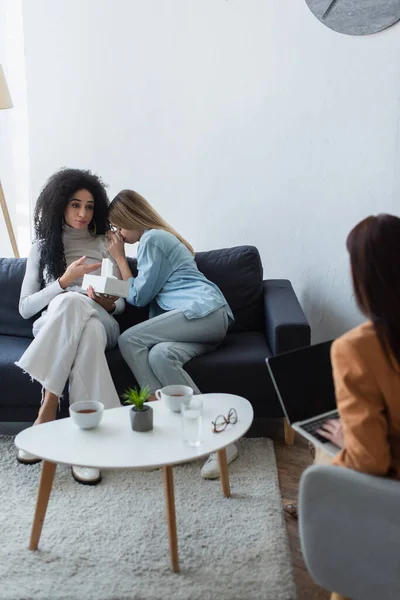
[(109, 542)]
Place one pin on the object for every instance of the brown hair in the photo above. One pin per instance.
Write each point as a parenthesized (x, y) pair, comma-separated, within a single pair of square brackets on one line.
[(129, 210), (374, 248)]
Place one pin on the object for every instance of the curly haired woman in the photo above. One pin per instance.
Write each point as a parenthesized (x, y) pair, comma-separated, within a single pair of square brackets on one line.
[(74, 329)]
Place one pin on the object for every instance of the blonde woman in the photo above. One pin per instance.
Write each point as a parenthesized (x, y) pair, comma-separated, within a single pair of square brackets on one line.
[(189, 315)]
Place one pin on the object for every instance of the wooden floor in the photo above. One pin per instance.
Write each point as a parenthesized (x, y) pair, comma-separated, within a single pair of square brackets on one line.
[(291, 461)]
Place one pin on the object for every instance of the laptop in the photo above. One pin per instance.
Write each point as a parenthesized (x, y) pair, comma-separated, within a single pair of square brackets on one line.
[(304, 385)]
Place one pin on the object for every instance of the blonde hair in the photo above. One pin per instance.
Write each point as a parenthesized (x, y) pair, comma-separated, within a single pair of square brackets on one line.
[(129, 210)]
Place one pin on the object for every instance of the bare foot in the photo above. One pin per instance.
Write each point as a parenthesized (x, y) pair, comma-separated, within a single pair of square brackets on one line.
[(45, 415), (48, 410)]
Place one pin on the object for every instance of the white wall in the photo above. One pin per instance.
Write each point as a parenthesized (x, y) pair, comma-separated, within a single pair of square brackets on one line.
[(6, 165), (242, 121), (14, 150)]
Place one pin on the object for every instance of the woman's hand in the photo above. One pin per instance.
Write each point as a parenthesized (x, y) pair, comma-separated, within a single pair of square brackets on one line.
[(116, 246), (332, 430), (116, 249), (107, 302), (76, 270)]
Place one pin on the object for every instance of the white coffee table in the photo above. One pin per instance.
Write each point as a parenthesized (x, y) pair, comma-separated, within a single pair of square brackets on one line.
[(113, 445)]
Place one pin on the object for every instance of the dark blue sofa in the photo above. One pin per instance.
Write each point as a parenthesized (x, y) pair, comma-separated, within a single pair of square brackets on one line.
[(269, 320)]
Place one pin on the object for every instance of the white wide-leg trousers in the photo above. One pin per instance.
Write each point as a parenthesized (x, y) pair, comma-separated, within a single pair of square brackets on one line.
[(70, 340)]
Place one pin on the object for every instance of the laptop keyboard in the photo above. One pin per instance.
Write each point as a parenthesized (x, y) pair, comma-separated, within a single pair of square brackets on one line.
[(312, 427)]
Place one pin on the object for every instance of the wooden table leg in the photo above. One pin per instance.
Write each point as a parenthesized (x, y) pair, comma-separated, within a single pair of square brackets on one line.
[(224, 473), (289, 433), (46, 482), (168, 477)]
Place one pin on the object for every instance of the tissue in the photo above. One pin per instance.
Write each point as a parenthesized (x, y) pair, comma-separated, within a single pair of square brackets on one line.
[(107, 268)]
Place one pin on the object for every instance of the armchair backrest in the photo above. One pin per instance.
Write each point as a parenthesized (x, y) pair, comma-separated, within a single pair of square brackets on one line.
[(350, 532)]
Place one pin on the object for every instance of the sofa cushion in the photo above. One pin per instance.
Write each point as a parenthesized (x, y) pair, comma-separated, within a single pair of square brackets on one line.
[(12, 271), (120, 372), (238, 273), (20, 388), (238, 367), (23, 391)]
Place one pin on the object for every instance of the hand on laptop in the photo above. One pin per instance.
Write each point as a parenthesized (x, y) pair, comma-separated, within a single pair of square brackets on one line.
[(332, 430)]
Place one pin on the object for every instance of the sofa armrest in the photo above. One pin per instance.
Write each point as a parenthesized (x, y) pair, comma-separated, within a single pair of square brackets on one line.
[(286, 325), (350, 531)]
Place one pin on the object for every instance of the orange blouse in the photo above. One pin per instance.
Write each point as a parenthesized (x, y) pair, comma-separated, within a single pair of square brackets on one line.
[(367, 390)]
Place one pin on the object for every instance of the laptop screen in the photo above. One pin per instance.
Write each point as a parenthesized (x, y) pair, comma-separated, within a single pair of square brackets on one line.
[(303, 381)]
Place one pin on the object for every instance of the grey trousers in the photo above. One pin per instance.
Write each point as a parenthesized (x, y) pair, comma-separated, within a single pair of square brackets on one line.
[(157, 349)]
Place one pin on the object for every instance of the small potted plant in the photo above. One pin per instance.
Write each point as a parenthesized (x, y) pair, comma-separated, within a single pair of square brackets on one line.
[(141, 414)]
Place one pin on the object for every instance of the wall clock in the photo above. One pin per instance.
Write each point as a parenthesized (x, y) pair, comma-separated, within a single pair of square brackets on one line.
[(356, 17)]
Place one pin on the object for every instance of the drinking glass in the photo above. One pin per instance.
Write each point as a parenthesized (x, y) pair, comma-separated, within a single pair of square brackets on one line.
[(192, 416)]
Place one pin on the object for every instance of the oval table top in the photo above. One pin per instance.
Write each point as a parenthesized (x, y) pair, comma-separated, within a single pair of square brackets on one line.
[(113, 444)]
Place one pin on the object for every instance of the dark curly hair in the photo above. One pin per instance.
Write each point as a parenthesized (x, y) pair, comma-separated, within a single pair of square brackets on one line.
[(49, 216)]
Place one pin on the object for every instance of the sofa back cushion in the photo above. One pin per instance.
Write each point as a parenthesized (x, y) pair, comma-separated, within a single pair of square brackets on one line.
[(238, 273), (12, 271)]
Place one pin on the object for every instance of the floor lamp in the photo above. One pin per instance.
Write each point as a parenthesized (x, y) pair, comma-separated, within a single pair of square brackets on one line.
[(5, 102)]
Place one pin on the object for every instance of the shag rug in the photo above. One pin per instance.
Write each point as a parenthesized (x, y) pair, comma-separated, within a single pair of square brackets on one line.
[(109, 542)]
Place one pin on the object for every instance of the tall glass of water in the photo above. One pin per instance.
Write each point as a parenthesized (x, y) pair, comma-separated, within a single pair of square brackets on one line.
[(192, 415)]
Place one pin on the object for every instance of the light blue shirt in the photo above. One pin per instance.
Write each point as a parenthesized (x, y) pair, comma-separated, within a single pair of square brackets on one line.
[(169, 279)]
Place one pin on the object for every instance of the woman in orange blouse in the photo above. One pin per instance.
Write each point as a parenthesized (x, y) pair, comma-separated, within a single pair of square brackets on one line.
[(366, 360)]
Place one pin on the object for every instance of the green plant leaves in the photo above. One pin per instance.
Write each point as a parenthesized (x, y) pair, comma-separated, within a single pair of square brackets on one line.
[(136, 396)]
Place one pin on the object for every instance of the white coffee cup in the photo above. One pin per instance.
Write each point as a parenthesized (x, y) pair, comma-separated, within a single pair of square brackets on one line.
[(174, 396), (86, 414)]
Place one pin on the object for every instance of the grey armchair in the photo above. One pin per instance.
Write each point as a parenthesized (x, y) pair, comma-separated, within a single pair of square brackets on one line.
[(350, 532)]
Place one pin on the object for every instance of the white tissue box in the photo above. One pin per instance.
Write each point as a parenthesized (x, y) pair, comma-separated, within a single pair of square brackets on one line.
[(106, 283)]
